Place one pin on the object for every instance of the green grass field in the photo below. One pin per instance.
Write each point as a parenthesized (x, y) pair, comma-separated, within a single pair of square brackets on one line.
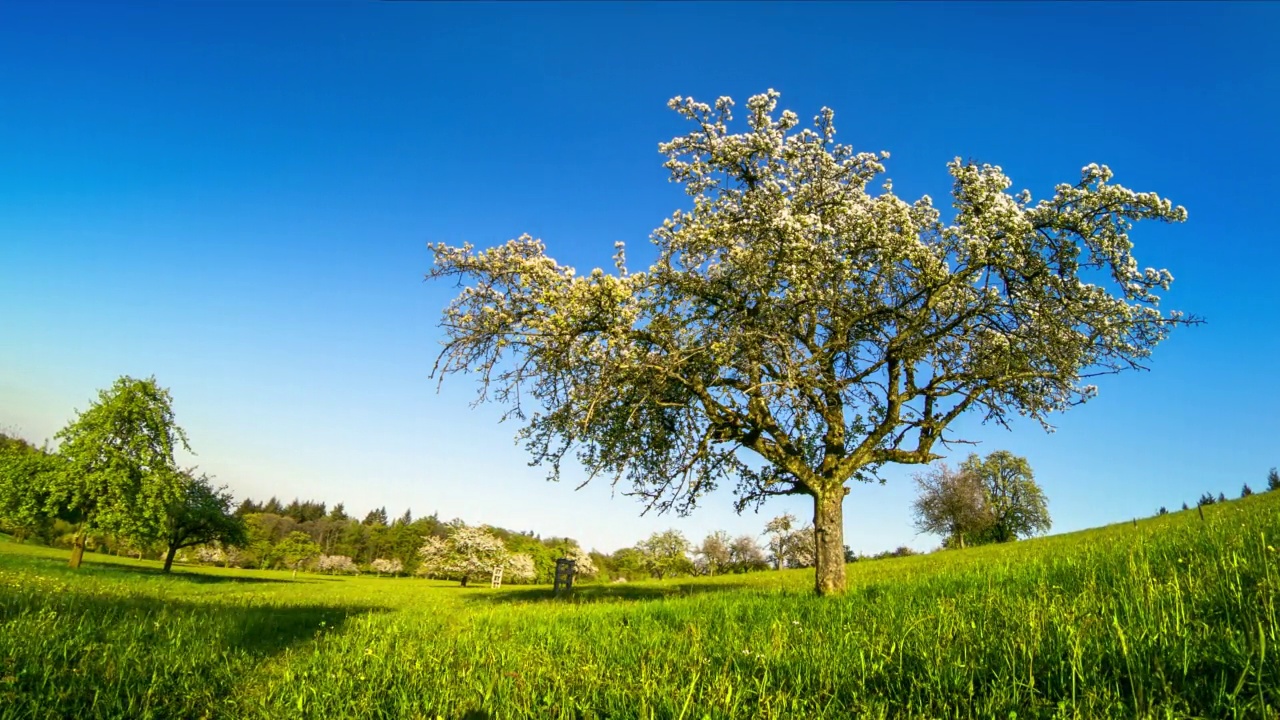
[(1175, 617)]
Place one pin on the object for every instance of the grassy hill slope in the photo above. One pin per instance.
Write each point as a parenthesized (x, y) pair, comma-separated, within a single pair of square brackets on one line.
[(1172, 617)]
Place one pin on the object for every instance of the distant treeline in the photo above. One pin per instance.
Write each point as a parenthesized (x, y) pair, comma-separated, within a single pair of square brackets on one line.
[(373, 537)]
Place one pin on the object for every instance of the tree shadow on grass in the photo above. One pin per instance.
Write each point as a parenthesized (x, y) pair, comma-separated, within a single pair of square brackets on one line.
[(94, 566), (105, 655), (612, 592)]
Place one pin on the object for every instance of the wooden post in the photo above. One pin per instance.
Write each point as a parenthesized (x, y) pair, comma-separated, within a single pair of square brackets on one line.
[(564, 576)]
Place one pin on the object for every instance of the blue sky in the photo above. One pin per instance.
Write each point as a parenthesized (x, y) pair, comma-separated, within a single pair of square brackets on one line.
[(236, 198)]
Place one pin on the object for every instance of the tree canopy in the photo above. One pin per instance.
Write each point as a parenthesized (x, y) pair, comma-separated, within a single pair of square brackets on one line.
[(1016, 505), (666, 553), (991, 499), (952, 504), (466, 552), (25, 473), (201, 514), (119, 473), (798, 331)]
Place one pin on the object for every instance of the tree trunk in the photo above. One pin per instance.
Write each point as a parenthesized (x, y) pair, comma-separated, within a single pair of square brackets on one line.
[(168, 558), (77, 550), (464, 581), (828, 530)]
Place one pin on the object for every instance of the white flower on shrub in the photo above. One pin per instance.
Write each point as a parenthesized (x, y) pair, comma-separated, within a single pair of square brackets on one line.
[(519, 568), (583, 565), (210, 555), (390, 567), (336, 564), (467, 552)]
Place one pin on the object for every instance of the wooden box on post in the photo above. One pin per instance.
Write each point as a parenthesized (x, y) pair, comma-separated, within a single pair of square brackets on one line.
[(565, 568)]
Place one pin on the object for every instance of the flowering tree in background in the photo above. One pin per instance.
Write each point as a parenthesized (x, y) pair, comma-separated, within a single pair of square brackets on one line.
[(801, 547), (797, 331), (337, 564), (951, 504), (467, 551), (388, 567), (519, 567), (779, 532), (583, 565), (714, 555), (211, 555), (747, 555)]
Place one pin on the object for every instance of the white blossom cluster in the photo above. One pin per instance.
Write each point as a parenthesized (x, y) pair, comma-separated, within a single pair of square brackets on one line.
[(336, 564), (583, 565), (210, 555), (466, 552), (385, 566), (519, 567)]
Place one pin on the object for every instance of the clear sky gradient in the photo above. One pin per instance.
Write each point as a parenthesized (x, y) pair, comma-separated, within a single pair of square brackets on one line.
[(236, 198)]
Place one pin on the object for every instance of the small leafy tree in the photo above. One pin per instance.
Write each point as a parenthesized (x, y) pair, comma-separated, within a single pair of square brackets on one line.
[(201, 514), (747, 554), (1273, 480), (714, 554), (119, 475), (992, 499), (666, 554), (1222, 497), (1162, 511), (630, 564), (26, 472), (1246, 491), (952, 504), (1184, 506), (1206, 499), (779, 530), (1016, 504), (296, 551)]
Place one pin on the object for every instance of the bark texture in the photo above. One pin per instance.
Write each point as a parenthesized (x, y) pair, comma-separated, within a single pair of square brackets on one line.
[(77, 551), (828, 532)]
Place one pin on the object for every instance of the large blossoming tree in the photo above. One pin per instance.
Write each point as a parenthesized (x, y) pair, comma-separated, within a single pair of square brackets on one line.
[(465, 553), (798, 331)]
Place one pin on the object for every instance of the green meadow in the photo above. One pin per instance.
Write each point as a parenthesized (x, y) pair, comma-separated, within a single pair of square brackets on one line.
[(1171, 617)]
